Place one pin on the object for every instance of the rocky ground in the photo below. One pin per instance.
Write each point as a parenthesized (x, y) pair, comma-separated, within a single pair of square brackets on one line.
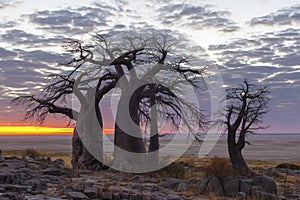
[(38, 179)]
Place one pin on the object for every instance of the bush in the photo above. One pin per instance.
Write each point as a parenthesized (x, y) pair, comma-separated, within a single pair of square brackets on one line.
[(288, 166), (31, 153), (174, 170), (219, 167)]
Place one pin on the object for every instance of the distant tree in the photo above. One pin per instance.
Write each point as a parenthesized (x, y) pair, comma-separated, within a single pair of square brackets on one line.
[(247, 104)]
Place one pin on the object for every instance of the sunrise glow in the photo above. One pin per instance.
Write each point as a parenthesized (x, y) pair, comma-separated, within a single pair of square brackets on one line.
[(39, 130), (33, 130)]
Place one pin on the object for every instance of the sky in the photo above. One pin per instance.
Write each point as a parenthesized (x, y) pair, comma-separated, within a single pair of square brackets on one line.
[(254, 39)]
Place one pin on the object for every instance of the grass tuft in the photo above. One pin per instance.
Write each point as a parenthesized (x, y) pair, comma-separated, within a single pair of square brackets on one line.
[(219, 167)]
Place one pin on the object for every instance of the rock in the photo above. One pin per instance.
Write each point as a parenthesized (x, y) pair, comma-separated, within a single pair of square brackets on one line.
[(270, 171), (28, 172), (171, 183), (124, 195), (182, 187), (16, 188), (203, 184), (265, 196), (173, 197), (266, 182), (5, 177), (9, 196), (136, 178), (59, 162), (214, 186), (119, 178), (245, 185), (133, 197), (29, 159), (58, 172), (91, 192), (36, 184), (35, 197), (231, 186), (1, 157), (192, 181), (241, 196), (107, 196), (77, 195), (116, 196), (292, 196), (138, 187)]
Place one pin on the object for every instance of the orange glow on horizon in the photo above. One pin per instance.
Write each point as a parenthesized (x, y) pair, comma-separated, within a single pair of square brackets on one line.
[(40, 130)]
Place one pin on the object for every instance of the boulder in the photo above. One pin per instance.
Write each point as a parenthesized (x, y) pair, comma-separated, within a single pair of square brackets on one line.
[(171, 183), (91, 192), (59, 162), (29, 159), (214, 186), (107, 196), (119, 178), (231, 186), (203, 184), (5, 176), (17, 188), (266, 182), (1, 157), (182, 187), (77, 195), (265, 196), (58, 172), (36, 184)]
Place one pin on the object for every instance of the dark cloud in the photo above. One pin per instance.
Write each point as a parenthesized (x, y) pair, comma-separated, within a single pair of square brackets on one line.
[(20, 37), (286, 16), (271, 59), (9, 24), (5, 53), (195, 17), (70, 21)]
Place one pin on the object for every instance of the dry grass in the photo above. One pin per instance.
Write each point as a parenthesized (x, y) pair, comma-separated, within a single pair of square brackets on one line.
[(219, 167), (41, 153)]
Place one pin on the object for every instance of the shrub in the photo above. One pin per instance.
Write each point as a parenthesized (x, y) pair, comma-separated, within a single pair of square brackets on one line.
[(174, 170), (219, 167), (31, 153), (288, 166)]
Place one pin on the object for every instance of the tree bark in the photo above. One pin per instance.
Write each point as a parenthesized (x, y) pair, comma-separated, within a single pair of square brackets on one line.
[(154, 139), (82, 159), (129, 140), (87, 141), (236, 156)]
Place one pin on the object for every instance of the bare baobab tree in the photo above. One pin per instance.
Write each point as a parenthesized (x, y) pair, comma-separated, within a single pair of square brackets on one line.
[(247, 104), (119, 60)]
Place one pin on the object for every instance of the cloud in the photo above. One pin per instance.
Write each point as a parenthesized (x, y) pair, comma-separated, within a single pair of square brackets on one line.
[(7, 3), (271, 58), (195, 17), (5, 53), (70, 21), (286, 16), (9, 24)]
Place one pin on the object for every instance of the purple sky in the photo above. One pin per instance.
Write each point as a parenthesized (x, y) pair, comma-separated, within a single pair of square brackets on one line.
[(258, 40)]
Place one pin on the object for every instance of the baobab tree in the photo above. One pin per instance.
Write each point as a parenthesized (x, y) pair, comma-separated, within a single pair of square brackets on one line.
[(121, 61), (247, 104)]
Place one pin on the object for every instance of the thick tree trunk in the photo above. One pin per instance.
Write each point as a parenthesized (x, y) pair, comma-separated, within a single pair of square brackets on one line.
[(87, 141), (82, 159), (236, 157), (128, 137)]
